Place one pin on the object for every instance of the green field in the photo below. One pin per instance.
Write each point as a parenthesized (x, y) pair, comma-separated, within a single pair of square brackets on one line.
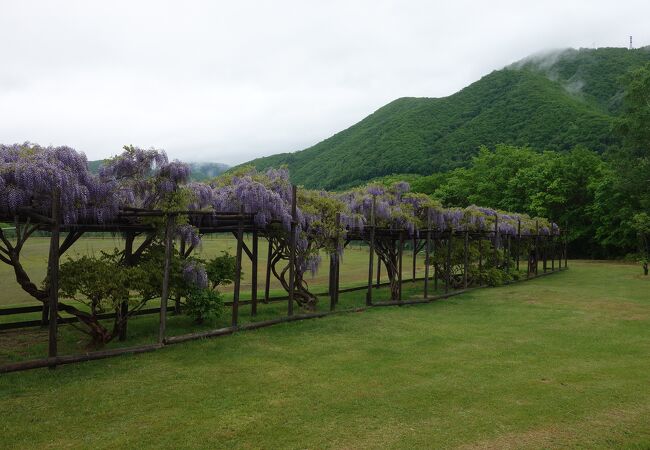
[(560, 361), (34, 258)]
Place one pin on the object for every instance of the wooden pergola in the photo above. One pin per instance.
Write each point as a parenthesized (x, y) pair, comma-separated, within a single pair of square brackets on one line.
[(553, 249)]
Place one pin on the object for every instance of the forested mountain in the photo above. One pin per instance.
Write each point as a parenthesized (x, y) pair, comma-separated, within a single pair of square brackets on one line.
[(200, 171), (551, 101)]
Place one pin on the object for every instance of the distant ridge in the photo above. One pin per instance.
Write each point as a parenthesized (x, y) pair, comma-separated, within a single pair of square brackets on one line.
[(200, 171), (553, 100)]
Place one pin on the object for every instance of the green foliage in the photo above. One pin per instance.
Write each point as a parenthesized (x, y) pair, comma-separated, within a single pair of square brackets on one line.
[(544, 184), (204, 304), (493, 276), (631, 161), (221, 270), (593, 75), (101, 283), (207, 304), (555, 102)]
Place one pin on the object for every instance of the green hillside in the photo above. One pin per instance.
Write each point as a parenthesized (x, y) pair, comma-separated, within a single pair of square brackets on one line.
[(553, 101)]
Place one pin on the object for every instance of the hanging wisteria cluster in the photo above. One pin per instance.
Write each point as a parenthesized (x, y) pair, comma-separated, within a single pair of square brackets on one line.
[(145, 178), (30, 175), (397, 208), (194, 274)]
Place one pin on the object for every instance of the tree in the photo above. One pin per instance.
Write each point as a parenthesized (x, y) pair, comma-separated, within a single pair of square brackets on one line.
[(568, 187), (30, 175)]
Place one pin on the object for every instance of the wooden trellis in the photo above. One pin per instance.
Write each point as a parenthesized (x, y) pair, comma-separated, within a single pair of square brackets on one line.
[(430, 240)]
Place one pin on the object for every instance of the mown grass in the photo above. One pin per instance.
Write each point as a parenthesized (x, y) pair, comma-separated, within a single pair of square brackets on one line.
[(561, 361), (34, 259)]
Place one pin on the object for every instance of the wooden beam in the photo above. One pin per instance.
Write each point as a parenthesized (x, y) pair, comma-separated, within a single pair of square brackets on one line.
[(248, 251)]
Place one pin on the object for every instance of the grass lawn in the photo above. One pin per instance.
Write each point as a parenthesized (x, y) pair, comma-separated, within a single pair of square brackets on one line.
[(562, 361), (354, 269)]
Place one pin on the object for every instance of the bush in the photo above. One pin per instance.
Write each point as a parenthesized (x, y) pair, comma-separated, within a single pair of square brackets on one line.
[(496, 277), (204, 304)]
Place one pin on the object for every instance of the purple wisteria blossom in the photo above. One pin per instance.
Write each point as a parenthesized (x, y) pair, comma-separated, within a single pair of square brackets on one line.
[(195, 274), (30, 174)]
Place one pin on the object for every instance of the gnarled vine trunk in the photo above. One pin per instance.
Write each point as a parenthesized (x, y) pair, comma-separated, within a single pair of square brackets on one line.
[(388, 251), (279, 256)]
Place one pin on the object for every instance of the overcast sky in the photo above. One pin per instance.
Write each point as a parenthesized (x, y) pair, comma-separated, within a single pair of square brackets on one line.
[(230, 81)]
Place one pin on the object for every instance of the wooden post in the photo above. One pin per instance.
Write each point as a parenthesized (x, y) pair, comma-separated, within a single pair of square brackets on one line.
[(177, 300), (53, 263), (528, 257), (238, 264), (536, 247), (254, 274), (371, 250), (480, 259), (267, 281), (378, 273), (169, 231), (332, 280), (466, 259), (45, 314), (436, 238), (448, 268), (399, 264), (337, 272), (45, 311), (552, 250), (518, 241), (415, 255), (427, 253), (544, 248), (508, 252), (496, 241), (566, 246), (292, 248)]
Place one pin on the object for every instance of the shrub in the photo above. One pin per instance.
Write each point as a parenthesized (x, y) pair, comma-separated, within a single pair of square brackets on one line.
[(204, 304)]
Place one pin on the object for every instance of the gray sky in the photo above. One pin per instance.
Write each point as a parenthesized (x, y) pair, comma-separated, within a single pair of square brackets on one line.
[(230, 81)]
